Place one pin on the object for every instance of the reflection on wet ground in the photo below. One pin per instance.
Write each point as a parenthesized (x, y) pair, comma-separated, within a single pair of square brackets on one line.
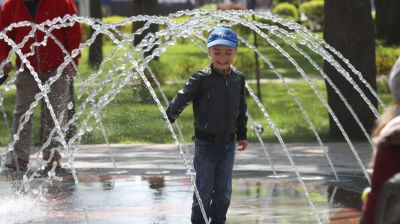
[(164, 199)]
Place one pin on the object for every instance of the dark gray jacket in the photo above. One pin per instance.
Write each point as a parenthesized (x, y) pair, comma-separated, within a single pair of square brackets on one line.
[(219, 104)]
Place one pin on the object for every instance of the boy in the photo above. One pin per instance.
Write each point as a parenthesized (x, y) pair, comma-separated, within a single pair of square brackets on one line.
[(219, 109)]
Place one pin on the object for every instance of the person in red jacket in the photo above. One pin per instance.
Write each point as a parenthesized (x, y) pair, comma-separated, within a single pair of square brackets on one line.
[(387, 155), (45, 57)]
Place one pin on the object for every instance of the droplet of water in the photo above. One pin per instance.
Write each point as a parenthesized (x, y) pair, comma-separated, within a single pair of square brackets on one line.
[(14, 78), (70, 105), (38, 96), (81, 132), (89, 129)]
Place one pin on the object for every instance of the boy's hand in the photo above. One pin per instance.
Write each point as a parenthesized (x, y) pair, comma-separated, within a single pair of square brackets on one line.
[(171, 116), (242, 145)]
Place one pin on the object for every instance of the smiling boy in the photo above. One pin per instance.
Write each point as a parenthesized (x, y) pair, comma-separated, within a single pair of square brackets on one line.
[(219, 108)]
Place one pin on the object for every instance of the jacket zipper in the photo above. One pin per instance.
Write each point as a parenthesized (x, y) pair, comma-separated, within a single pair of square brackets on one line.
[(206, 117), (226, 103)]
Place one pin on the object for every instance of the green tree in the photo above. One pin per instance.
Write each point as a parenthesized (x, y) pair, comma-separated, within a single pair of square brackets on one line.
[(349, 28)]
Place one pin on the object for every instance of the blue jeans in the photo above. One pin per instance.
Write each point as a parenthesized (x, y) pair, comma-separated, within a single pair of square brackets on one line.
[(213, 164)]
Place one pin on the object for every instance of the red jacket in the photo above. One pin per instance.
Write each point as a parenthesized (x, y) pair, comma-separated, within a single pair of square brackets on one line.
[(386, 164), (45, 58)]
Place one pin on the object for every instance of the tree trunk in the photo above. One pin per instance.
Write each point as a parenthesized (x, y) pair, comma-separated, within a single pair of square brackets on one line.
[(95, 50), (349, 29), (141, 7), (388, 21)]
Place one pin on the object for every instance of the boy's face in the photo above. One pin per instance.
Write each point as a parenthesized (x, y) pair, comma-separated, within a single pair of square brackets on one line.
[(222, 56)]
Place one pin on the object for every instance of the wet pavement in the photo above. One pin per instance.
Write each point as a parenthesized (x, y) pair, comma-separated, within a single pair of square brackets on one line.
[(149, 186)]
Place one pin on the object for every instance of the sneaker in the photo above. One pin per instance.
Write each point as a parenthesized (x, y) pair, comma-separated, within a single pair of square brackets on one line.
[(58, 171), (16, 164)]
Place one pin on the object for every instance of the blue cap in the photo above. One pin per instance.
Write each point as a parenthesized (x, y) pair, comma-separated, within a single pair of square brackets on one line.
[(222, 36)]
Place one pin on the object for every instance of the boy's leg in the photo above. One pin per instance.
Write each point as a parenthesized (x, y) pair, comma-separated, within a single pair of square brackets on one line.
[(205, 162), (223, 185), (25, 96), (58, 97)]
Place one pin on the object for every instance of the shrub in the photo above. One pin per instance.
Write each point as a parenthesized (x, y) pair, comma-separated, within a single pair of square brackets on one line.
[(125, 29), (209, 7), (158, 69), (245, 62), (85, 31), (293, 2), (185, 67), (382, 85), (243, 31), (385, 59), (313, 12), (286, 10)]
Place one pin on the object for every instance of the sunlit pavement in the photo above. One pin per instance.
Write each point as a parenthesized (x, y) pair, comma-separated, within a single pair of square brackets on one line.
[(149, 185)]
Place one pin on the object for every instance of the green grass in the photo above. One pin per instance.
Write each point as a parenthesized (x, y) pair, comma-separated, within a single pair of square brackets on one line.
[(285, 113), (128, 119), (182, 59), (132, 117)]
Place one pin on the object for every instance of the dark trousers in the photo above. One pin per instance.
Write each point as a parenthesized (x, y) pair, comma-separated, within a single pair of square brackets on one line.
[(213, 164), (26, 90)]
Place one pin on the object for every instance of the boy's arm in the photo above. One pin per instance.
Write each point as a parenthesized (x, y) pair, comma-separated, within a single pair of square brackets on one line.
[(241, 123), (184, 96)]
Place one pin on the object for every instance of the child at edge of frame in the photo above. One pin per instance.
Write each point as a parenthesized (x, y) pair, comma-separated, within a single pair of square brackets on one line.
[(219, 109)]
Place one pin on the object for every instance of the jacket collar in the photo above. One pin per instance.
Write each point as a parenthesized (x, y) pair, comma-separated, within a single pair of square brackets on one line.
[(213, 69)]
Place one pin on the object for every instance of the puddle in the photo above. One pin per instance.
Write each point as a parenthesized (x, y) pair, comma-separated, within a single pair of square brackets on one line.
[(165, 199)]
